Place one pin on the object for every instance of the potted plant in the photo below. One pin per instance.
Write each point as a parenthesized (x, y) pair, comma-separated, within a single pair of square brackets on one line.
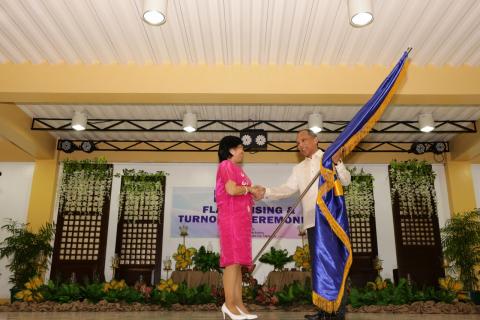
[(206, 260), (278, 258), (27, 251), (461, 247)]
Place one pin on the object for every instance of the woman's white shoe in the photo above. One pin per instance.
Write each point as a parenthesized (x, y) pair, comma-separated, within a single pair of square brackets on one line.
[(247, 315), (231, 315)]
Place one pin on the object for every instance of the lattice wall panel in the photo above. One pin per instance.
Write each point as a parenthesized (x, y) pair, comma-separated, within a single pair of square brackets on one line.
[(361, 235), (82, 225), (417, 230), (140, 231), (80, 238), (417, 239), (139, 243)]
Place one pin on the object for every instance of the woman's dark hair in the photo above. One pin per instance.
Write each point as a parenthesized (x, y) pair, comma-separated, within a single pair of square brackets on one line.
[(225, 145)]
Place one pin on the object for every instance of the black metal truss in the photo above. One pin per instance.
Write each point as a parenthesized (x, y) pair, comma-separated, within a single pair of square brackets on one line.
[(270, 126), (212, 146)]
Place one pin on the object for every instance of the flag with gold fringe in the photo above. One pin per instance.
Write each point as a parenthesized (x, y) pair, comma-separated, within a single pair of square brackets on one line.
[(332, 253)]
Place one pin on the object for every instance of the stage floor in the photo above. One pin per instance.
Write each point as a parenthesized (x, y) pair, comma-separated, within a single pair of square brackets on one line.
[(277, 315)]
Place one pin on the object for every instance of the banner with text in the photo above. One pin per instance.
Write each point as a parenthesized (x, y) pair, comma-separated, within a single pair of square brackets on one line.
[(195, 207)]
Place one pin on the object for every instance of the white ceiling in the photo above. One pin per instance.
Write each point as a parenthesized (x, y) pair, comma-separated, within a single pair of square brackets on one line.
[(243, 112), (442, 32), (278, 32)]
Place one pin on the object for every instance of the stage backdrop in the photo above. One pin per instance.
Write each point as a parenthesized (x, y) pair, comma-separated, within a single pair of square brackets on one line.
[(200, 178), (195, 208)]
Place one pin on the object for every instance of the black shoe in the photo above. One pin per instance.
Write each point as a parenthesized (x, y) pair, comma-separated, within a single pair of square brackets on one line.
[(315, 316), (318, 316)]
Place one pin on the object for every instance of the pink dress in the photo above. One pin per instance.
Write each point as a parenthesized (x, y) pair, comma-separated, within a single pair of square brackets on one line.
[(234, 217)]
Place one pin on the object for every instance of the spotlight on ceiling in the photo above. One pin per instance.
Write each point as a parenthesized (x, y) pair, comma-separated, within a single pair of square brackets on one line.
[(66, 146), (189, 122), (254, 139), (315, 122), (155, 12), (425, 122), (79, 121), (87, 146), (361, 12), (418, 148), (439, 147)]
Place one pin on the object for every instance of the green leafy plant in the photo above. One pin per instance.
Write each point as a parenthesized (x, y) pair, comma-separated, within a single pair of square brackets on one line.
[(295, 293), (206, 260), (127, 294), (403, 293), (93, 292), (27, 251), (61, 292), (116, 291), (164, 298), (461, 245), (278, 258), (190, 296)]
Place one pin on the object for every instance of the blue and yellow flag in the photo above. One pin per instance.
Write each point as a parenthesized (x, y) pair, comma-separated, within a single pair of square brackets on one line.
[(332, 254)]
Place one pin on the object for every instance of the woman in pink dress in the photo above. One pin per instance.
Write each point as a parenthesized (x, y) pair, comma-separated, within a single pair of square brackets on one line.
[(234, 197)]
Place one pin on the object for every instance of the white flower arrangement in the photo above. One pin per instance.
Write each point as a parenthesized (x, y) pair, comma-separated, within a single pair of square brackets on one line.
[(413, 182), (359, 195), (141, 194), (85, 186)]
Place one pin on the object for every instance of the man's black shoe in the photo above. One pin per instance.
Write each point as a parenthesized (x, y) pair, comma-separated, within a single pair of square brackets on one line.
[(312, 316), (318, 316)]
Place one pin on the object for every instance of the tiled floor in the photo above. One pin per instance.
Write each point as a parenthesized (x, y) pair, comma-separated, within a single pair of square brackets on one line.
[(211, 315)]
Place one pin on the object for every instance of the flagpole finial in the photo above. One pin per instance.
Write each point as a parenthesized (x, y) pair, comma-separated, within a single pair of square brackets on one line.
[(409, 49)]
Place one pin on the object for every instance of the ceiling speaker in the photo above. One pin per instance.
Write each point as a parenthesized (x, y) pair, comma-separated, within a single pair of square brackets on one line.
[(254, 140)]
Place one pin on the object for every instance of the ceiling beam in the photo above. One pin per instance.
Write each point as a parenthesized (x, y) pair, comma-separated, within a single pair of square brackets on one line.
[(15, 127), (259, 84), (465, 147)]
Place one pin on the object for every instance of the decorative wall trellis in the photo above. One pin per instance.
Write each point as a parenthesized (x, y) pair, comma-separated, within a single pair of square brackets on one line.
[(140, 231), (417, 235), (82, 223), (363, 234)]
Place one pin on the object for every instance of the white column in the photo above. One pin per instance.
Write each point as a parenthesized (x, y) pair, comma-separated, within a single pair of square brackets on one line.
[(476, 182)]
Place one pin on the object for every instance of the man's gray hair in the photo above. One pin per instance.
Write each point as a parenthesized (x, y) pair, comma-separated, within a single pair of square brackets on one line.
[(310, 133)]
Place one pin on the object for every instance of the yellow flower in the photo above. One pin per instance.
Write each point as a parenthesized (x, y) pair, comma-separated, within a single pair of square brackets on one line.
[(106, 287), (34, 283), (183, 257), (450, 284), (380, 283), (302, 257), (38, 297), (167, 285), (114, 285), (22, 295)]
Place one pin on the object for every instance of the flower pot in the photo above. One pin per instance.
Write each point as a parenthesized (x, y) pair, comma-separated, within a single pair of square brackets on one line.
[(13, 292), (475, 297)]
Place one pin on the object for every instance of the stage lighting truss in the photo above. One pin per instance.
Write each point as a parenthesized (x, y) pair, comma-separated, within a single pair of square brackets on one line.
[(423, 147), (212, 146)]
